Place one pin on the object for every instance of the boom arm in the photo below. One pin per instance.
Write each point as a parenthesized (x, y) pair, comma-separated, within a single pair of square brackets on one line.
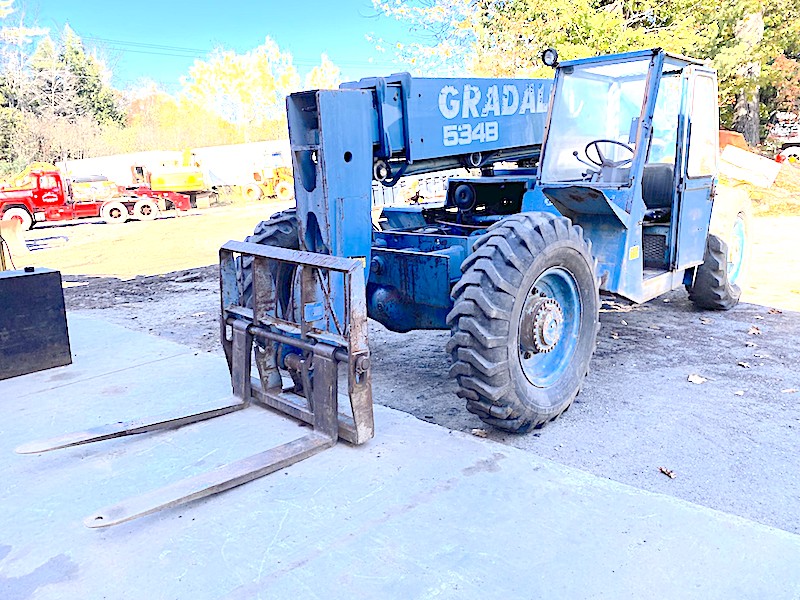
[(384, 128)]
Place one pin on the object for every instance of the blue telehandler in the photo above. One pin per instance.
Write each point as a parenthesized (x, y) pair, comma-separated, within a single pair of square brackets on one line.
[(602, 179), (613, 189)]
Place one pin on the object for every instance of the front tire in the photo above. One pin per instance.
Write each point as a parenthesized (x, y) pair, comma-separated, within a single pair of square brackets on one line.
[(20, 215), (280, 230), (718, 281), (524, 321), (252, 192)]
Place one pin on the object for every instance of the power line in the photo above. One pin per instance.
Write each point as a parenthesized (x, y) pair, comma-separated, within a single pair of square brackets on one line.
[(147, 45), (185, 52)]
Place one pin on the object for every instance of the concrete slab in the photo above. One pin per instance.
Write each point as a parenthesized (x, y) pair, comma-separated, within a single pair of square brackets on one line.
[(419, 512)]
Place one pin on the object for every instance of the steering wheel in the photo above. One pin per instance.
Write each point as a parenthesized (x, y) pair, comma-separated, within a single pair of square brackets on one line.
[(605, 162)]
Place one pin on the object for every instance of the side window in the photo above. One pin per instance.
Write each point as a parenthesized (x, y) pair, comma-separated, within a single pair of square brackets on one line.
[(47, 182), (665, 120), (705, 129)]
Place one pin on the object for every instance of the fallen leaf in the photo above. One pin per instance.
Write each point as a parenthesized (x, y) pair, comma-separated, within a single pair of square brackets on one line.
[(759, 317), (757, 355), (481, 433), (751, 344), (614, 336), (739, 393), (695, 378), (775, 311), (790, 391), (706, 321), (667, 472), (624, 322), (754, 330), (743, 364), (666, 299)]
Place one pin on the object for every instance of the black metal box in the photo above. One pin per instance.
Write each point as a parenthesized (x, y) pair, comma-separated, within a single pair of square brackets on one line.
[(33, 322)]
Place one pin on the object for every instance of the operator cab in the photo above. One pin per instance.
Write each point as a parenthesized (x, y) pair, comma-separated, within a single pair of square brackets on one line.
[(631, 148)]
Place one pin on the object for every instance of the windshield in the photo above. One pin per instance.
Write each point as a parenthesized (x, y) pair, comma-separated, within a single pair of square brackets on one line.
[(594, 121)]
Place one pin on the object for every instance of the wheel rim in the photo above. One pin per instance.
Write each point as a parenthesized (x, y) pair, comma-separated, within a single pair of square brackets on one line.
[(115, 213), (549, 326), (17, 219), (736, 250)]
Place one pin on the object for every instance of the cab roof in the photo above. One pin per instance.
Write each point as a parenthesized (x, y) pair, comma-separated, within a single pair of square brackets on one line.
[(626, 56)]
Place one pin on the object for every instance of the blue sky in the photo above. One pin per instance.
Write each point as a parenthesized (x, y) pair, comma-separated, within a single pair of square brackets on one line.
[(159, 40)]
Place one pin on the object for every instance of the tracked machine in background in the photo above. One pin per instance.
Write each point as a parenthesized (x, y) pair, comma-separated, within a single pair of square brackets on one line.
[(601, 179)]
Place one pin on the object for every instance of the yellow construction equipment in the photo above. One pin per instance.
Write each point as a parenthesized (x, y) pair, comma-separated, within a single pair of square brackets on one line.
[(182, 176)]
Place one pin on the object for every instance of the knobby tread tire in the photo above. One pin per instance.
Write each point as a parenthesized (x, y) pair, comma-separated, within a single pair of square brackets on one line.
[(279, 230), (484, 337), (711, 288)]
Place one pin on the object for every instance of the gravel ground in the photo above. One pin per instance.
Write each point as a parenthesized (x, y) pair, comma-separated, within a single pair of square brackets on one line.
[(730, 441)]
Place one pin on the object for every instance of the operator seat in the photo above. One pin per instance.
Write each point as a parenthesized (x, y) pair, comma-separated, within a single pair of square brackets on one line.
[(657, 191)]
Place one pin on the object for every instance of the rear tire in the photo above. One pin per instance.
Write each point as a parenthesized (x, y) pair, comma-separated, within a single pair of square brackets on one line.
[(21, 215), (524, 321), (719, 280), (114, 212), (145, 210), (712, 288), (284, 191)]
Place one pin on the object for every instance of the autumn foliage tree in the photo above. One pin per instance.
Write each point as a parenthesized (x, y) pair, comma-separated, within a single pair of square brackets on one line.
[(56, 100), (245, 89), (786, 84), (742, 38), (157, 120)]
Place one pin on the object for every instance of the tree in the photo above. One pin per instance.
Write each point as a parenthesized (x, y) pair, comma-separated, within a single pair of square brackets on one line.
[(506, 37), (246, 89), (742, 38), (326, 76), (70, 83), (157, 120), (92, 93), (785, 88), (446, 33), (15, 97), (250, 89), (56, 100)]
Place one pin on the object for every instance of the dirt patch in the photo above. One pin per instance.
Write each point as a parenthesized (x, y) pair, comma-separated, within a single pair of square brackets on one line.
[(183, 241), (182, 306)]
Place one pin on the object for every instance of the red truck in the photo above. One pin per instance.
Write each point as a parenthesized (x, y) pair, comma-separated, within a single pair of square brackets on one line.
[(40, 193)]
